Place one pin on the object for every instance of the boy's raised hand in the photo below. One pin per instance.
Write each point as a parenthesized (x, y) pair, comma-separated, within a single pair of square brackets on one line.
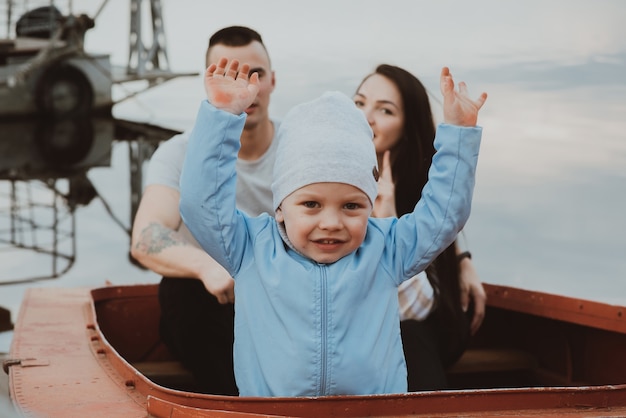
[(227, 86), (458, 108)]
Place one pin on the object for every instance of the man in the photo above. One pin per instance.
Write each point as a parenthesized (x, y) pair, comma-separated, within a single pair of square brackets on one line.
[(196, 313)]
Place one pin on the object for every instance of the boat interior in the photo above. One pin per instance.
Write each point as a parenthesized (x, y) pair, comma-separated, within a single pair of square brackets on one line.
[(527, 340)]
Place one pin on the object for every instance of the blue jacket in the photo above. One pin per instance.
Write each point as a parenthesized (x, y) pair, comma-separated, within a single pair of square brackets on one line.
[(309, 329)]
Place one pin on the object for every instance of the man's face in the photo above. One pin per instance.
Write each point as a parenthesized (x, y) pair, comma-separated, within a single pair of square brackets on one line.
[(256, 56)]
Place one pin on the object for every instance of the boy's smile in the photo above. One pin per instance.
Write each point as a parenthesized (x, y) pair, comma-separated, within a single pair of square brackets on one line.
[(328, 245), (325, 221)]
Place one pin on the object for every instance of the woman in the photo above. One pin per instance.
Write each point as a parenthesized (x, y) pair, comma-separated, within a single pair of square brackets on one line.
[(398, 110)]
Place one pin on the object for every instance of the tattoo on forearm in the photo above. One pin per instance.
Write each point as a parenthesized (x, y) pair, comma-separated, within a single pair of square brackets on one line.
[(155, 238)]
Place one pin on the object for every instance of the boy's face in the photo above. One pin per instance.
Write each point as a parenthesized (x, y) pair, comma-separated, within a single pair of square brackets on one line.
[(256, 56), (325, 221)]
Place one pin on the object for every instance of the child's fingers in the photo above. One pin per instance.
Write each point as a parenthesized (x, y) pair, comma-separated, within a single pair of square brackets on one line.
[(221, 66), (463, 88), (232, 69), (243, 72), (446, 82), (210, 70), (481, 100)]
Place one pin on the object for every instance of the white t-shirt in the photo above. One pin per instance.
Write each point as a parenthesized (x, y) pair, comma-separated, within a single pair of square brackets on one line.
[(254, 178), (416, 297)]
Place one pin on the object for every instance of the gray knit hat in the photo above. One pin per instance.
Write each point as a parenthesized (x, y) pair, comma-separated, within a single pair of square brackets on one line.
[(325, 140)]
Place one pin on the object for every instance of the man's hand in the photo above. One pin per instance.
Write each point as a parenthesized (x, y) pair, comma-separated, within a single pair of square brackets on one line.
[(458, 108), (218, 283), (228, 87)]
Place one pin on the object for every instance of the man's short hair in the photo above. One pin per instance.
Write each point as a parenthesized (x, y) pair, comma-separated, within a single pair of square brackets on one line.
[(234, 36)]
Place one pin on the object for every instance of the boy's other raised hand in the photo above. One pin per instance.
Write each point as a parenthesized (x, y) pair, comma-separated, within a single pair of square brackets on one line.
[(458, 108), (228, 86)]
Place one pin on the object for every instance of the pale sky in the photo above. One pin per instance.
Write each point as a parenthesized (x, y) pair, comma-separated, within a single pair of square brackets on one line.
[(420, 34)]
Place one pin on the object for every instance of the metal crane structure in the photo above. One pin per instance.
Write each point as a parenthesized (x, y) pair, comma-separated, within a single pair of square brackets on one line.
[(45, 69)]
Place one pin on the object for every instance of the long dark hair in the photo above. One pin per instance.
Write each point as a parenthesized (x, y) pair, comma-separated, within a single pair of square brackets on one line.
[(410, 159)]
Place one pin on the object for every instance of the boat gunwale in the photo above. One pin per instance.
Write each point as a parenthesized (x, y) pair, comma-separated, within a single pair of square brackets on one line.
[(564, 308)]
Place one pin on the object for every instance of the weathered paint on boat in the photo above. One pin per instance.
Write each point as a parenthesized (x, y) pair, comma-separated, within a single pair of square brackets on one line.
[(79, 352)]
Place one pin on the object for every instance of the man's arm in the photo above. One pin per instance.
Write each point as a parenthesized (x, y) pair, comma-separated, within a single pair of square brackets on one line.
[(157, 244)]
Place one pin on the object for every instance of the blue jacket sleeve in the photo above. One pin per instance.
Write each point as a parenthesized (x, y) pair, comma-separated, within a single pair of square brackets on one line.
[(446, 199), (208, 185)]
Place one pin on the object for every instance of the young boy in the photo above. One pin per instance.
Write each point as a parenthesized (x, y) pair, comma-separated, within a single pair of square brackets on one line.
[(316, 287)]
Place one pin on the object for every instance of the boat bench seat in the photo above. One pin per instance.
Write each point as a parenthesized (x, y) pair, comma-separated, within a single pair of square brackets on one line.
[(483, 360), (6, 45), (174, 375), (166, 373), (161, 368)]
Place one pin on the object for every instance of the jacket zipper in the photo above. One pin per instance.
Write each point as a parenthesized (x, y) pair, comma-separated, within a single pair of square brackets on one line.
[(324, 330)]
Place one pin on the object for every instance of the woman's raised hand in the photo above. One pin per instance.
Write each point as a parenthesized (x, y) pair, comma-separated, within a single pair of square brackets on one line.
[(385, 204)]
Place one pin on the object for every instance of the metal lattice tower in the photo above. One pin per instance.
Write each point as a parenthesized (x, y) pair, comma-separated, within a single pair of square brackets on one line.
[(142, 58)]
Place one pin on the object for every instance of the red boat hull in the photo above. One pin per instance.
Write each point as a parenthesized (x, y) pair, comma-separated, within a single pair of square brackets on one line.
[(79, 352)]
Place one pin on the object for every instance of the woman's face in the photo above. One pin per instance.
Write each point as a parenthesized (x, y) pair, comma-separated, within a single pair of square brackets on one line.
[(380, 100)]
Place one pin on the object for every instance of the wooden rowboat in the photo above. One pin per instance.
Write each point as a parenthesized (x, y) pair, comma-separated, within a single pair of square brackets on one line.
[(97, 352)]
